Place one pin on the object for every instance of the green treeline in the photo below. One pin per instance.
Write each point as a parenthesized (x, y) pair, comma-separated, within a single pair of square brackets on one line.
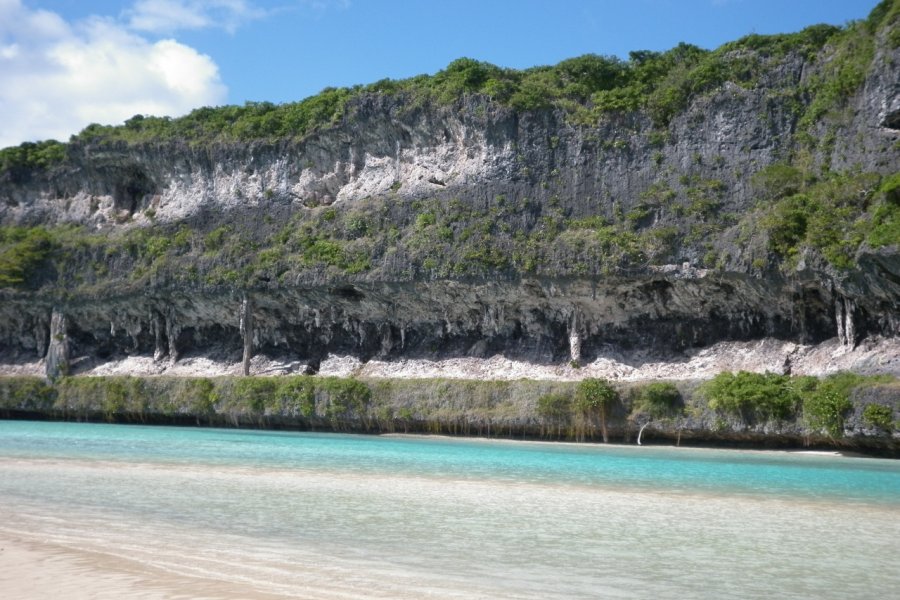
[(821, 405), (589, 409), (661, 83)]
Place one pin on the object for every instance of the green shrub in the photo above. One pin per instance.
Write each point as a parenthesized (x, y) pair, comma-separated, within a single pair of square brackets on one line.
[(824, 410), (593, 398), (842, 75), (22, 252), (752, 396), (878, 415), (31, 155), (594, 394), (424, 220), (215, 239), (659, 400), (830, 215), (827, 401), (885, 224), (778, 180)]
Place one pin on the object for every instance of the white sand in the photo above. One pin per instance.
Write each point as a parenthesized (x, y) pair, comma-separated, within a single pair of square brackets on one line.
[(30, 570)]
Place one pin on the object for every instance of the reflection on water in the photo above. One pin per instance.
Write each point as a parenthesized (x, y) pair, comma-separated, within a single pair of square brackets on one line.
[(327, 515)]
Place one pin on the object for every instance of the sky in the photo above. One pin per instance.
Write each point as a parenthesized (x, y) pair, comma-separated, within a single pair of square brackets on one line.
[(67, 63)]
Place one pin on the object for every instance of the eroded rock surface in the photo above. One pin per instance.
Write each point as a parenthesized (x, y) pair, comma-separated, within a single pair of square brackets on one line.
[(472, 152)]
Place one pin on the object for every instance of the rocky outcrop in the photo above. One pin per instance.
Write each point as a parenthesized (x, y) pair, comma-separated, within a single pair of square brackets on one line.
[(473, 151), (538, 321)]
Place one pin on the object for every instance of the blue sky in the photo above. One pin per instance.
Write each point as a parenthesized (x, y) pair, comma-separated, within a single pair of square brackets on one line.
[(66, 63)]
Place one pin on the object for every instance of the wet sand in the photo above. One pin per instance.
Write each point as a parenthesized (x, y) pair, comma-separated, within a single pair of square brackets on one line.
[(31, 570)]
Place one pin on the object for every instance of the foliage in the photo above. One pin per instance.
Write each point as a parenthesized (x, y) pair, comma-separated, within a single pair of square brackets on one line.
[(555, 410), (852, 51), (779, 180), (17, 160), (26, 393), (824, 409), (560, 409), (253, 120), (200, 395), (806, 42), (593, 398), (584, 88), (554, 407), (826, 402), (885, 222), (878, 415), (660, 399), (22, 252), (344, 398), (253, 393), (109, 396), (752, 396), (594, 394), (833, 214)]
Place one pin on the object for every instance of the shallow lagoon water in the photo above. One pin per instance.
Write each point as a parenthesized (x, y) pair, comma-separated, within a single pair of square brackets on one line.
[(325, 515)]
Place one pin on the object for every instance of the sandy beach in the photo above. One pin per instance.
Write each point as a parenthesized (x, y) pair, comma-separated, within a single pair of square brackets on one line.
[(31, 570)]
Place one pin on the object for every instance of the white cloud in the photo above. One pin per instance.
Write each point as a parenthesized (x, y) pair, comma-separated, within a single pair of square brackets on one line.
[(166, 16), (56, 77)]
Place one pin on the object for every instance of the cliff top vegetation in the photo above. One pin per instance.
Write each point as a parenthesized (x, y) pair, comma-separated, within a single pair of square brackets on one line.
[(585, 88)]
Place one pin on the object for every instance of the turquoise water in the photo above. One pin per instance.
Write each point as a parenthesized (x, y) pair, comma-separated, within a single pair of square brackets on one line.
[(321, 515)]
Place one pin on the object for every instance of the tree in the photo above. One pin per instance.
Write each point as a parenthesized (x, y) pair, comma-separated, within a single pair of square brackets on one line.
[(594, 397)]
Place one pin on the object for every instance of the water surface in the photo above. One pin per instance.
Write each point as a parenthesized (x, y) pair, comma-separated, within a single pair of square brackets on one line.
[(325, 515)]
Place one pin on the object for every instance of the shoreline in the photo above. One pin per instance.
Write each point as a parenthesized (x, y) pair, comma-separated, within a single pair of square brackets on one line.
[(524, 409), (698, 440), (832, 453), (746, 449)]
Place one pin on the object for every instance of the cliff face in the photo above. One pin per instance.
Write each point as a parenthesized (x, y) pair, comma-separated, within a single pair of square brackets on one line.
[(642, 236)]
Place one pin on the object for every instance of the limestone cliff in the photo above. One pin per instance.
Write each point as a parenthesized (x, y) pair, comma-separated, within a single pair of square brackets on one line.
[(408, 227)]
